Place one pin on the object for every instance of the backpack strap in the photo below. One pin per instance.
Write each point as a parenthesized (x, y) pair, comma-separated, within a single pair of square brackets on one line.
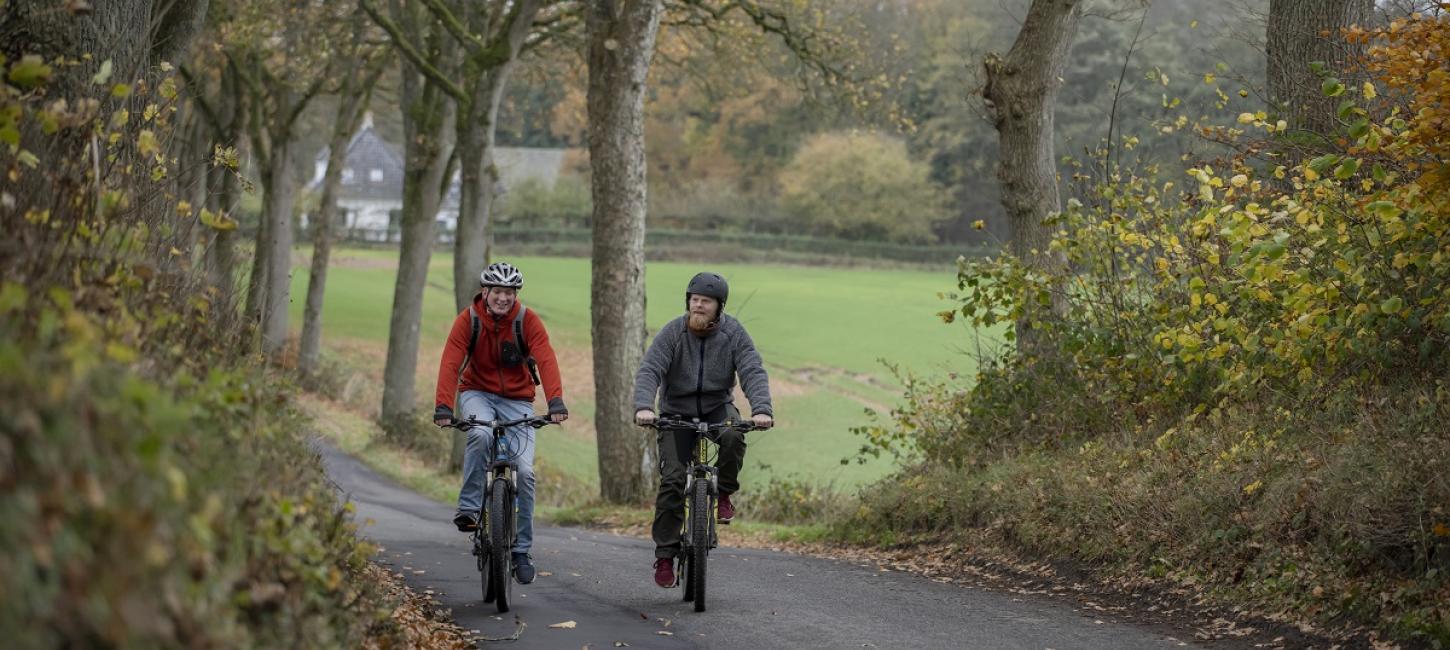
[(475, 325), (524, 344), (519, 331)]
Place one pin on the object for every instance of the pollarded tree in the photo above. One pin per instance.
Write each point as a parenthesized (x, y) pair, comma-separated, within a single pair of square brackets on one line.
[(861, 187), (354, 89), (622, 35), (490, 36), (621, 44), (1021, 94), (283, 54)]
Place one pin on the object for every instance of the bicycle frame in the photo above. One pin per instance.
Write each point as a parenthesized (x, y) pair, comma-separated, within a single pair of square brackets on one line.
[(695, 541), (699, 468), (493, 547)]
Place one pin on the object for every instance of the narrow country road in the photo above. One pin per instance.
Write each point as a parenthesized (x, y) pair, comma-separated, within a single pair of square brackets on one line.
[(758, 599)]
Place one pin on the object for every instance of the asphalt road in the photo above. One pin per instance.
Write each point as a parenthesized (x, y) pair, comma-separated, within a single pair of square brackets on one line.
[(757, 599)]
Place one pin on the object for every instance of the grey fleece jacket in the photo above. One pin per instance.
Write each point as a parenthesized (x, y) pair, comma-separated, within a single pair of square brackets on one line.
[(696, 375)]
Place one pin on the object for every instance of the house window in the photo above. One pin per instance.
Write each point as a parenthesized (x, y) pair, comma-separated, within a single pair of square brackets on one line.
[(347, 174), (375, 175)]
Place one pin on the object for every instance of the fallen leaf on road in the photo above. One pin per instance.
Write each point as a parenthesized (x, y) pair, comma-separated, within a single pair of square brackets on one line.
[(621, 644), (576, 575), (419, 572), (545, 574), (642, 616), (566, 625), (664, 633)]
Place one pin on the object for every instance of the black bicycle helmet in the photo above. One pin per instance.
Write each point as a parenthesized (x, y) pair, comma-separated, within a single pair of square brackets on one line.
[(708, 284)]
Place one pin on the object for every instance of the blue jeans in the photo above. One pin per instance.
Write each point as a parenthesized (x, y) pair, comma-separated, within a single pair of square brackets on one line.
[(487, 406)]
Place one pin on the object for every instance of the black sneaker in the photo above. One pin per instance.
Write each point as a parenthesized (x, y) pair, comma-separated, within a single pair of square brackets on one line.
[(523, 568), (466, 522)]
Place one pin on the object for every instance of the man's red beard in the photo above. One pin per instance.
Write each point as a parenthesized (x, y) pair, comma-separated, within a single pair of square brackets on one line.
[(700, 323)]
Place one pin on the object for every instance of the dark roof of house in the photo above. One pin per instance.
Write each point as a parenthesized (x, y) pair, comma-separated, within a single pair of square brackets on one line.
[(368, 153)]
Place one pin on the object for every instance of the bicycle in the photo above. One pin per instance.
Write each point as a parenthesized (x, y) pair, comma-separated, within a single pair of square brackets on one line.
[(702, 479), (493, 539)]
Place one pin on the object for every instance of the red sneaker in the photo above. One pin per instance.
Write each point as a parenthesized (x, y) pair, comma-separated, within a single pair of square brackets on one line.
[(665, 572), (726, 511)]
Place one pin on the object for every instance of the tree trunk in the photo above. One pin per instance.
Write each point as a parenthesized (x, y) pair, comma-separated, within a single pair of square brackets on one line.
[(309, 349), (427, 152), (174, 24), (278, 215), (257, 278), (1301, 32), (477, 176), (224, 190), (117, 31), (621, 37), (74, 43), (1021, 93)]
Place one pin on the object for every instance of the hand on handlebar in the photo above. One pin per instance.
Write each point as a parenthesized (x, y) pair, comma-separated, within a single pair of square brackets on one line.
[(443, 416), (762, 420), (644, 417)]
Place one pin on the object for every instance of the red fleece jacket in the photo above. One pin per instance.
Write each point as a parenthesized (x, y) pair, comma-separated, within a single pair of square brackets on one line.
[(485, 372)]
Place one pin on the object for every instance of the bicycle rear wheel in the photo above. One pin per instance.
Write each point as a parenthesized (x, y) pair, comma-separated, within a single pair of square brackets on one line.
[(699, 541), (501, 541)]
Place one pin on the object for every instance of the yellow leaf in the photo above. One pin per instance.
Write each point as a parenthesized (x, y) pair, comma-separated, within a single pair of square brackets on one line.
[(1369, 90), (566, 625), (147, 143), (1253, 487)]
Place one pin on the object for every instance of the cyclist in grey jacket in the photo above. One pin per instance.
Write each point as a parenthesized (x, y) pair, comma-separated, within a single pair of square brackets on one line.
[(691, 367)]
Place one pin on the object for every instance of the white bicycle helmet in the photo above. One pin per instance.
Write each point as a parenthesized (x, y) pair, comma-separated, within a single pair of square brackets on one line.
[(501, 274)]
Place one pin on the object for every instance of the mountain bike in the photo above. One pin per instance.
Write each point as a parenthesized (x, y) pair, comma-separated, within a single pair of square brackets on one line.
[(493, 539), (702, 488)]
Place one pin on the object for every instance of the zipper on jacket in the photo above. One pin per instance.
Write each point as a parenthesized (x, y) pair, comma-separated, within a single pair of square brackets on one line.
[(700, 382), (498, 360)]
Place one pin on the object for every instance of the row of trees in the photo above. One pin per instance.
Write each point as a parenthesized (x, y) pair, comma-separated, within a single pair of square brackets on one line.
[(255, 71)]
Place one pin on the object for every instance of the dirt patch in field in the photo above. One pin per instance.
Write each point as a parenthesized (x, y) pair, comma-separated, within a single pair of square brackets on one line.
[(303, 260)]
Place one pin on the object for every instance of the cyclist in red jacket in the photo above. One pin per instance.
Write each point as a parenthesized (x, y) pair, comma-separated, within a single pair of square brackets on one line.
[(496, 353)]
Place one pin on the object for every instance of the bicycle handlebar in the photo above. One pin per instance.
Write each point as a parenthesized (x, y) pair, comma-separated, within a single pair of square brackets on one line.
[(702, 427), (535, 421)]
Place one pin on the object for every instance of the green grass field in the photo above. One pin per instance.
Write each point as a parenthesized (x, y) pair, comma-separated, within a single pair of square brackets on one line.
[(820, 330)]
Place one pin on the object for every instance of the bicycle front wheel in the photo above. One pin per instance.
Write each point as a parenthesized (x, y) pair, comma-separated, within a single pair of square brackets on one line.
[(699, 541), (501, 541), (481, 554)]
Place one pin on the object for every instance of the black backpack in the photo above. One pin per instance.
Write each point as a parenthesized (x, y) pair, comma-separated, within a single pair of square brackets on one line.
[(523, 343)]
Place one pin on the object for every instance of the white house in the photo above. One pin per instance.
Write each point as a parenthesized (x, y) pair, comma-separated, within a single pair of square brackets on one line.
[(370, 199)]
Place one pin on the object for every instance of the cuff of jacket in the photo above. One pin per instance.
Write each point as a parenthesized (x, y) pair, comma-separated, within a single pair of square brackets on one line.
[(762, 410)]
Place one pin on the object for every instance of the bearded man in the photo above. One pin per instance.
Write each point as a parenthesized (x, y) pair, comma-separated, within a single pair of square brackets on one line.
[(691, 368)]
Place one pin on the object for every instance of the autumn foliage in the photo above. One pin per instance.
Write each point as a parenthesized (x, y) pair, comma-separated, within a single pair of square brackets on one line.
[(1247, 386)]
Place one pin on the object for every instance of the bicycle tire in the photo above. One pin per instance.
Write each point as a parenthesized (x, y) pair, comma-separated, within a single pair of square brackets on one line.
[(699, 540), (481, 551), (689, 587), (500, 532)]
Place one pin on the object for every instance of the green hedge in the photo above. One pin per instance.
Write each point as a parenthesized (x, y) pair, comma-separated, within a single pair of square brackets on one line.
[(187, 513), (659, 240)]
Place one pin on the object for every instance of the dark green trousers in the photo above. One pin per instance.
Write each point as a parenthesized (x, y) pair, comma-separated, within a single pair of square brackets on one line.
[(676, 449)]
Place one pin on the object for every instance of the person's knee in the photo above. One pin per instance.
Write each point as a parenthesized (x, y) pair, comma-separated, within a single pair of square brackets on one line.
[(672, 478), (732, 439)]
